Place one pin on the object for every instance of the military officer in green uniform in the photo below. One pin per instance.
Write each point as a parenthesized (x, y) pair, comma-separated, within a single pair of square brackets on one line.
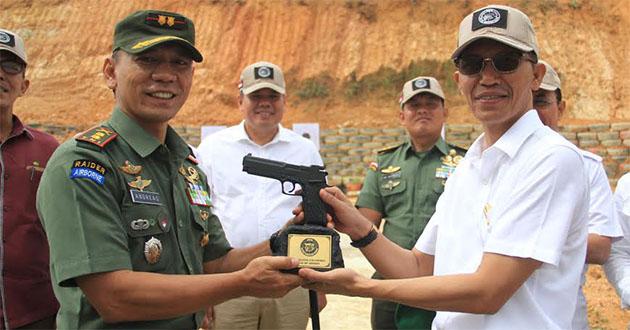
[(133, 240), (405, 183)]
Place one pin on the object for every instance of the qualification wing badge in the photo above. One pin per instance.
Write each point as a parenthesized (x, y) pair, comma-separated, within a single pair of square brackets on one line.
[(130, 168), (139, 183)]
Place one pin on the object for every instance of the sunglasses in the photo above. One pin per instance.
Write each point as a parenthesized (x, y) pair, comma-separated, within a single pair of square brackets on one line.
[(12, 66), (503, 62)]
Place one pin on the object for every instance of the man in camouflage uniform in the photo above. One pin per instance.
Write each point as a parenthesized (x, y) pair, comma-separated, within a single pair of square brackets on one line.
[(134, 243), (407, 180)]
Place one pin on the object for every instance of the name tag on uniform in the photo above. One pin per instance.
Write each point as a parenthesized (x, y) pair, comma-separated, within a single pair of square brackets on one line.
[(145, 197)]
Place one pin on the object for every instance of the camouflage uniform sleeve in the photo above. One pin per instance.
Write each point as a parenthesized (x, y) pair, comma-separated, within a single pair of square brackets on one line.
[(78, 205), (370, 196)]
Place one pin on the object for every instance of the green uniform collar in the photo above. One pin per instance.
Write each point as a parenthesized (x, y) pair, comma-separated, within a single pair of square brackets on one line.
[(439, 145), (141, 141)]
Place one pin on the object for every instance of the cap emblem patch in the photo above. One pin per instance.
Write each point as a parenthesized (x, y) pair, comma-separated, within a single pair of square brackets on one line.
[(7, 39), (490, 17), (263, 72), (420, 83), (166, 21)]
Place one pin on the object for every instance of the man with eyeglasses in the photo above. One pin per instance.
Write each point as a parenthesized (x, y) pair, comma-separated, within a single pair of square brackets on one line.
[(252, 208), (134, 242), (506, 244), (405, 182), (26, 295), (603, 226)]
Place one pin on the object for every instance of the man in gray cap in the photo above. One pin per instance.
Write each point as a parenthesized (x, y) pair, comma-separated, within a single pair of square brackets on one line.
[(134, 242), (253, 208), (506, 244), (603, 226), (406, 181), (26, 295)]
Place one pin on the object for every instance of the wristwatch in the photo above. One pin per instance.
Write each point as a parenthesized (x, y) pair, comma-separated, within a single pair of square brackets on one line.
[(365, 240)]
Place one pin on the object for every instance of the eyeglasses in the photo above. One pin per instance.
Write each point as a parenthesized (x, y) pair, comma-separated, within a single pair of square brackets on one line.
[(503, 63), (12, 66)]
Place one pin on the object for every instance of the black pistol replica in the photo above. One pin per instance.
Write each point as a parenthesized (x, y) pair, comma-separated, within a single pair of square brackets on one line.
[(314, 244)]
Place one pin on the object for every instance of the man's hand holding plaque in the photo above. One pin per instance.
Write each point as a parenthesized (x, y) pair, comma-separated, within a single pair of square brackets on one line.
[(315, 245)]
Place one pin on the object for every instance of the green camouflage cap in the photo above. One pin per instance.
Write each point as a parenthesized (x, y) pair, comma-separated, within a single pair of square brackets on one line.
[(145, 29)]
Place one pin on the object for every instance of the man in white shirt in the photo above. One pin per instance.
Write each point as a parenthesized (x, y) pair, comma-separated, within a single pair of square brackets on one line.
[(251, 208), (618, 265), (507, 242), (603, 226)]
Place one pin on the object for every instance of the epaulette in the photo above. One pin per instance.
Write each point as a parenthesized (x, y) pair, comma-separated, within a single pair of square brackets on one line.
[(388, 149), (99, 136)]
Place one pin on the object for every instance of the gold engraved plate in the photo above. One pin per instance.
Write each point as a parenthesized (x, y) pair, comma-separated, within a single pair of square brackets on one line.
[(313, 251)]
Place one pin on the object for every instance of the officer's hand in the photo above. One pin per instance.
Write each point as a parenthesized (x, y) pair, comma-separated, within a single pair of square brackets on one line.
[(343, 281), (263, 279), (347, 218)]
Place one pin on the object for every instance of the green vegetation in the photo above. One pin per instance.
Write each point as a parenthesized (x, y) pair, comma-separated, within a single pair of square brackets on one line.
[(315, 87), (387, 82), (384, 84)]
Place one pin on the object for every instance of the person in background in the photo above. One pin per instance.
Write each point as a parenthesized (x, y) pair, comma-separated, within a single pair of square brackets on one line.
[(603, 227), (617, 267), (26, 294), (405, 183), (252, 208)]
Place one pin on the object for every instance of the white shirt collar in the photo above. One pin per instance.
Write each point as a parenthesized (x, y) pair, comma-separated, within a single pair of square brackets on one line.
[(241, 135), (510, 142)]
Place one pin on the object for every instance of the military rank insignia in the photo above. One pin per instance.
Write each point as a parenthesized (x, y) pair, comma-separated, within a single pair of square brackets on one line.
[(99, 136), (166, 21), (88, 169), (449, 163)]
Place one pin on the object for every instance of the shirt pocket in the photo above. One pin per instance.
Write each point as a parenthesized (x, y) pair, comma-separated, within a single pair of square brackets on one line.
[(148, 229), (434, 193)]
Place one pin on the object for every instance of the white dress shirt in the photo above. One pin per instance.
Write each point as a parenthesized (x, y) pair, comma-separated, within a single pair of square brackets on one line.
[(601, 221), (250, 207), (525, 196), (618, 265)]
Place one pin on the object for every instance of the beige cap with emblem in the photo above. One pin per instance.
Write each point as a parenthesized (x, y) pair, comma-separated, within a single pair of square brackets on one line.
[(13, 43), (551, 80), (262, 75), (419, 85), (504, 24)]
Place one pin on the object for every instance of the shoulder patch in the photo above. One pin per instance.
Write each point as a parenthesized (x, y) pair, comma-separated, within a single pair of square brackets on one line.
[(99, 135), (388, 149), (88, 169)]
